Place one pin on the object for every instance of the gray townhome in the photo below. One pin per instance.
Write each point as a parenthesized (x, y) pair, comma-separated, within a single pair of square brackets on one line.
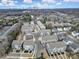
[(28, 46), (27, 28), (49, 38), (45, 32), (17, 45), (73, 48), (29, 36), (55, 47)]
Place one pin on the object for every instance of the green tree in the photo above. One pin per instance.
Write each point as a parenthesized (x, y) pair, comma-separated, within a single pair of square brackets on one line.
[(27, 17), (15, 21), (1, 22), (75, 28), (40, 57), (49, 26), (13, 34), (45, 19)]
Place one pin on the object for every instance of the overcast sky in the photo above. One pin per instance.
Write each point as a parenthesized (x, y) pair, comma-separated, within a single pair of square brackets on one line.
[(40, 4)]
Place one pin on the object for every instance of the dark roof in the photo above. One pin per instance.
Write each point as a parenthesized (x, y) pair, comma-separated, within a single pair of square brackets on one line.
[(74, 46), (66, 39)]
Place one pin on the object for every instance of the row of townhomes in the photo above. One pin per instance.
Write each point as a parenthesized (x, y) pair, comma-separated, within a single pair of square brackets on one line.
[(49, 38)]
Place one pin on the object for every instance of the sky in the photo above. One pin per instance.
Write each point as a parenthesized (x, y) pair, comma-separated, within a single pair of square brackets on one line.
[(40, 4)]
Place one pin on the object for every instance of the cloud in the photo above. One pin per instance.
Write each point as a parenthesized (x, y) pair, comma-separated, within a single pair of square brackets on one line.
[(59, 3), (40, 5), (71, 0), (8, 2), (0, 4), (28, 1), (48, 1)]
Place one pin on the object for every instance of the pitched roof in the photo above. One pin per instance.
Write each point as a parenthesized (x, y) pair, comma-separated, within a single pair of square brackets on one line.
[(50, 38), (28, 42), (56, 45), (17, 42)]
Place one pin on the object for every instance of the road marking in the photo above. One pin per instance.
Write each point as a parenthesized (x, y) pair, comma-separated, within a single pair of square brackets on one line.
[(70, 57), (54, 56), (58, 57), (65, 55)]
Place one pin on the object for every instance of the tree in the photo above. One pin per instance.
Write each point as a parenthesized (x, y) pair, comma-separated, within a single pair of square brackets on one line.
[(13, 34), (1, 22), (45, 19), (75, 28), (27, 17), (49, 26), (15, 21), (40, 57)]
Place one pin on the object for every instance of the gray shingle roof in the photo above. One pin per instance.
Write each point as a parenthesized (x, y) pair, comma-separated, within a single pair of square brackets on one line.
[(17, 42), (28, 42), (51, 38), (56, 45), (74, 46), (28, 45)]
